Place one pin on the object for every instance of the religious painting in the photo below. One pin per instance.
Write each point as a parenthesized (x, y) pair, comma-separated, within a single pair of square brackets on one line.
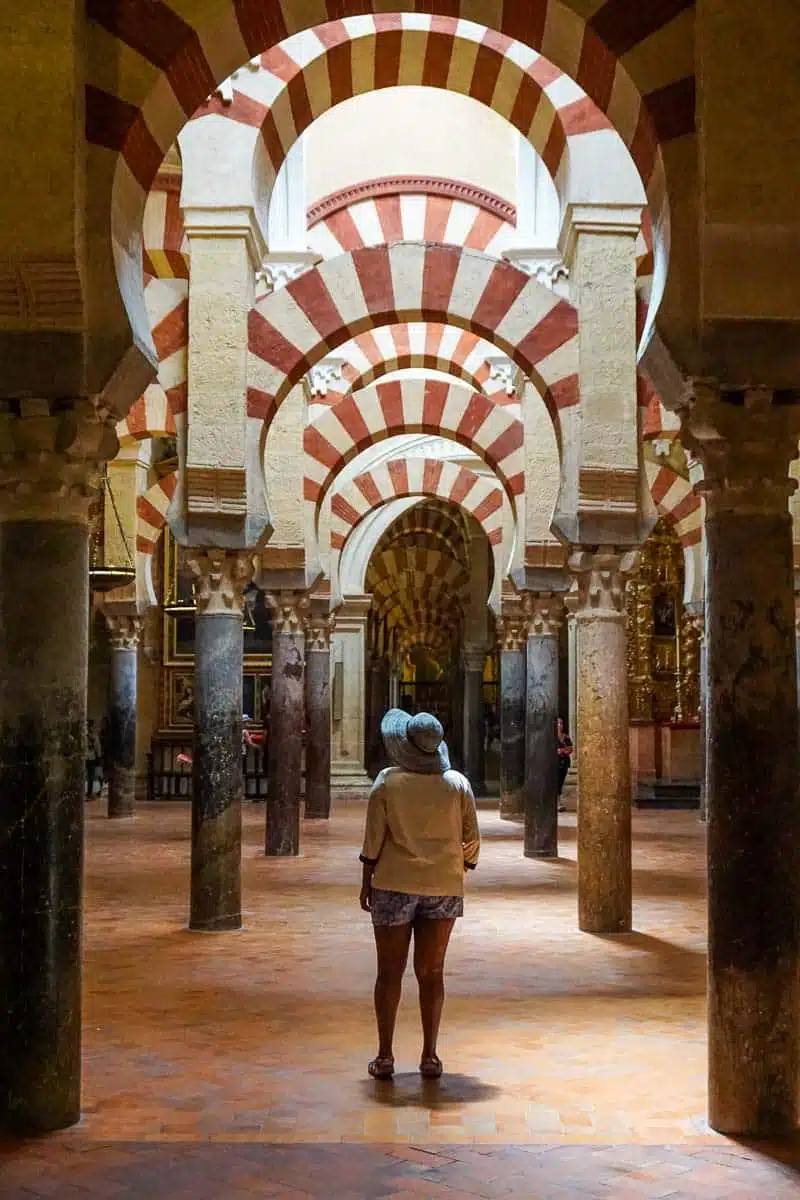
[(664, 623), (181, 698), (257, 624)]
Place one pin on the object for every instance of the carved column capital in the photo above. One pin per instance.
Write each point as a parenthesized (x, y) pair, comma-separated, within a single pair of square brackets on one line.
[(319, 627), (220, 579), (124, 630), (512, 633), (51, 452), (543, 613), (473, 658), (601, 575), (289, 611), (745, 442)]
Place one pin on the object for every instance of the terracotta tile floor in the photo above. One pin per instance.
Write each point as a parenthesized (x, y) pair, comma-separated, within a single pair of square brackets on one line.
[(575, 1064)]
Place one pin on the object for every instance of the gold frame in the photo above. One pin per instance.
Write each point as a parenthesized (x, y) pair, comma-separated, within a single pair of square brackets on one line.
[(175, 686)]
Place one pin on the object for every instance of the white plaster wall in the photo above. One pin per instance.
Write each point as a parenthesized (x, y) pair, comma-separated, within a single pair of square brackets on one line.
[(410, 130)]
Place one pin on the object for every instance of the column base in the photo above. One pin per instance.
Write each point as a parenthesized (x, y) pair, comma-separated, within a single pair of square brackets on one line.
[(217, 925), (350, 784)]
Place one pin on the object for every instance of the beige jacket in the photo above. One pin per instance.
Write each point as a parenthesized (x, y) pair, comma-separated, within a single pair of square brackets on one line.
[(421, 832)]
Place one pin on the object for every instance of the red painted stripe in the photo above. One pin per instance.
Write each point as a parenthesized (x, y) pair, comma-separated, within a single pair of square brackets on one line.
[(438, 276), (242, 109), (260, 405), (686, 507), (388, 50), (340, 72), (437, 214), (390, 398), (178, 263), (337, 541), (279, 63), (297, 94), (596, 69), (439, 47), (554, 147), (672, 109), (623, 24), (476, 412), (565, 392), (269, 344), (261, 24), (502, 288), (373, 268), (398, 473), (369, 489), (149, 513), (318, 447), (172, 331), (664, 480), (174, 231), (492, 504), (544, 72), (311, 490), (495, 537), (516, 484), (178, 397), (311, 295), (344, 511), (485, 72), (136, 420), (583, 116), (484, 228), (433, 403), (554, 330), (120, 126), (525, 22), (332, 33), (390, 218), (644, 145), (464, 482), (510, 440), (693, 538), (352, 422), (432, 474), (343, 227)]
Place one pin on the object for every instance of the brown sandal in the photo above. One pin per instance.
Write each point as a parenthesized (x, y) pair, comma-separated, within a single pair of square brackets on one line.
[(431, 1067), (381, 1067)]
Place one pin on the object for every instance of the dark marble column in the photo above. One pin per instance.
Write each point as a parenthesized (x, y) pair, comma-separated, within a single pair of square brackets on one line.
[(543, 613), (318, 716), (124, 638), (512, 638), (456, 742), (287, 717), (43, 661), (217, 781), (474, 660), (604, 779), (378, 700), (746, 444)]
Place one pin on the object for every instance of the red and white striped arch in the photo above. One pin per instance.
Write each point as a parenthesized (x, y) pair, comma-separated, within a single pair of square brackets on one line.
[(477, 494), (295, 327), (415, 406), (151, 517), (675, 498), (151, 416)]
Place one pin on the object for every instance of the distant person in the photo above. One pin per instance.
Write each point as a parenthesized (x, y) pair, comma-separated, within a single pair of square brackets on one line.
[(421, 835), (564, 751)]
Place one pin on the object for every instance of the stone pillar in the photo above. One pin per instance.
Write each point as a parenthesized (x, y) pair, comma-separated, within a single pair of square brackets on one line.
[(287, 718), (318, 716), (50, 452), (378, 704), (604, 779), (512, 638), (124, 632), (348, 773), (543, 613), (217, 782), (474, 662), (570, 609), (745, 443)]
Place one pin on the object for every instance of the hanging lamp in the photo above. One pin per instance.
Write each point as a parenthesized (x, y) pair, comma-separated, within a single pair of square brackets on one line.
[(106, 578)]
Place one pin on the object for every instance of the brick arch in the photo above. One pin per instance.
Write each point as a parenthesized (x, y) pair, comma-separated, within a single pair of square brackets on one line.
[(476, 494), (417, 406), (292, 329), (675, 499), (151, 517), (175, 57), (151, 416)]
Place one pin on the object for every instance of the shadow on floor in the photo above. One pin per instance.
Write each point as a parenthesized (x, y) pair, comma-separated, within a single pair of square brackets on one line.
[(409, 1090)]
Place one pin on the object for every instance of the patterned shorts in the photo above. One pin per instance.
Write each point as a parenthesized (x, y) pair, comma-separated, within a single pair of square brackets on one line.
[(401, 908)]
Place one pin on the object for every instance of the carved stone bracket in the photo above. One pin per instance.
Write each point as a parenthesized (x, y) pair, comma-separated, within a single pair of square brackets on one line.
[(745, 442), (51, 452), (544, 612), (512, 633), (220, 579), (289, 611), (600, 575), (124, 630)]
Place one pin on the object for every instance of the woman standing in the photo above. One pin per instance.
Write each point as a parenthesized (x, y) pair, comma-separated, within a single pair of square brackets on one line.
[(421, 836)]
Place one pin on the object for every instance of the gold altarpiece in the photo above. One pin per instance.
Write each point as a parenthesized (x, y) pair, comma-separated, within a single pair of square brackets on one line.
[(663, 644)]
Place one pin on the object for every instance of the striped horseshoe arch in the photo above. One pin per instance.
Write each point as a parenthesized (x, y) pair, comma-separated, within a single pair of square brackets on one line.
[(675, 498), (415, 406), (151, 517), (478, 495), (151, 416), (298, 325)]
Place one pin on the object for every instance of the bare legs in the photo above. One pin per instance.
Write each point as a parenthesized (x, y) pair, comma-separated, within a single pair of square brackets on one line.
[(430, 947)]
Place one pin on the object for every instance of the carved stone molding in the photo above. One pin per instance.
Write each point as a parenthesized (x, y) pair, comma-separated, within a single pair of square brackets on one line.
[(319, 627), (220, 579), (473, 658), (276, 272), (412, 185), (51, 452), (544, 267), (512, 633), (745, 443), (225, 90), (327, 374), (289, 611), (216, 490), (503, 371), (41, 295), (601, 576), (124, 630), (543, 612)]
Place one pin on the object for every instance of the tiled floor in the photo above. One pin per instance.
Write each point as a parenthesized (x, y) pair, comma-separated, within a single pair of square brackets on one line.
[(575, 1064)]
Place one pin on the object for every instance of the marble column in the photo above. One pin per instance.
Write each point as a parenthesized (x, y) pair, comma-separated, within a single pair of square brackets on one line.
[(604, 779), (124, 629), (511, 635), (474, 662), (378, 704), (46, 481), (348, 773), (746, 443), (287, 719), (543, 613), (217, 781), (570, 609), (318, 716)]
